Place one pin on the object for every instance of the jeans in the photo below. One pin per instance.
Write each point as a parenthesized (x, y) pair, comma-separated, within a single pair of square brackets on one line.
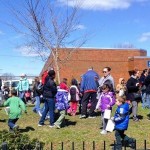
[(49, 106), (11, 122), (148, 100), (122, 138), (144, 100), (85, 101), (22, 96), (37, 104)]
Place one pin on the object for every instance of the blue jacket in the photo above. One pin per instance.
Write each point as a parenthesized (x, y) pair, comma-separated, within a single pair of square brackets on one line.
[(23, 85), (121, 117), (62, 100), (88, 82)]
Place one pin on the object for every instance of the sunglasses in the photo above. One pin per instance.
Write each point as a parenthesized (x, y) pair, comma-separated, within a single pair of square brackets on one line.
[(104, 71)]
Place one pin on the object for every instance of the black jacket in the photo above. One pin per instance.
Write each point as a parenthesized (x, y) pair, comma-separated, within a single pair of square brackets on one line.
[(50, 88), (147, 84), (132, 88), (35, 89)]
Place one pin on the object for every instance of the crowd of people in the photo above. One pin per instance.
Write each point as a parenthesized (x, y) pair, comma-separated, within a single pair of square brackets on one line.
[(93, 93)]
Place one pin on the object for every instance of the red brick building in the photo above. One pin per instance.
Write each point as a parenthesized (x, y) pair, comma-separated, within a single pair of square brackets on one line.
[(74, 63)]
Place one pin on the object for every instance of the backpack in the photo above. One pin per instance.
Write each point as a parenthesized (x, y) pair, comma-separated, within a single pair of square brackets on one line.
[(73, 93)]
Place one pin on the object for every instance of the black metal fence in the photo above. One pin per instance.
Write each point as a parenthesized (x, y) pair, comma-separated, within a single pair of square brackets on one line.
[(4, 146)]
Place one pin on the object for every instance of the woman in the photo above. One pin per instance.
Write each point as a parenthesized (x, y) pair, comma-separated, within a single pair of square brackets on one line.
[(36, 95), (49, 92), (133, 87)]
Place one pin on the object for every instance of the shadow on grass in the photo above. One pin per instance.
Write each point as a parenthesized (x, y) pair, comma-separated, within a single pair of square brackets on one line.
[(27, 129), (140, 117), (148, 116), (2, 120), (70, 123)]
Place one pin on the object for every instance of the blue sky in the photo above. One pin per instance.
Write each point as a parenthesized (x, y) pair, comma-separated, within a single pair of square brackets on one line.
[(108, 22)]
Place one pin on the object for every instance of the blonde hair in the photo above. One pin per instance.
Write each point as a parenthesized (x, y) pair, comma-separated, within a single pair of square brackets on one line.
[(121, 99)]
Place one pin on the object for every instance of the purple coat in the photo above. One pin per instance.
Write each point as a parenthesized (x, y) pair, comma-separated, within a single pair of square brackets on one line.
[(105, 100), (62, 100)]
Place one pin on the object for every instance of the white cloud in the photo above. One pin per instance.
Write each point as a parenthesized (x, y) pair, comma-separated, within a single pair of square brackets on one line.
[(101, 4), (80, 26), (1, 33), (145, 37), (29, 51)]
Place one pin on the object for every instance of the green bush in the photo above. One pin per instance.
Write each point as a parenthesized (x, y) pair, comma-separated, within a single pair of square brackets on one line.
[(18, 141)]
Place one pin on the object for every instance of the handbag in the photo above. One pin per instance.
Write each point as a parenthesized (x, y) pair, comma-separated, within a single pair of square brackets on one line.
[(107, 114), (137, 96), (110, 125)]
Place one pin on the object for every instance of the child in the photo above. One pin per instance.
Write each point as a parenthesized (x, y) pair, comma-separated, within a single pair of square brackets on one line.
[(121, 119), (121, 88), (61, 105), (106, 101), (73, 97), (16, 106), (6, 92), (63, 84)]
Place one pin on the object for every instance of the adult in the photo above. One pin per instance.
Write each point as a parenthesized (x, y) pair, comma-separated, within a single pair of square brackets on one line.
[(0, 84), (107, 78), (89, 90), (36, 95), (49, 92), (147, 84), (133, 87), (143, 88), (22, 87)]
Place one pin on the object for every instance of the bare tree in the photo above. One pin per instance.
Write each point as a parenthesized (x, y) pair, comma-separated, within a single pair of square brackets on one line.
[(48, 27), (124, 45)]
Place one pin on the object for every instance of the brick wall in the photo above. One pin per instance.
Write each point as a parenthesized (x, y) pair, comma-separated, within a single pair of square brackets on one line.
[(120, 60)]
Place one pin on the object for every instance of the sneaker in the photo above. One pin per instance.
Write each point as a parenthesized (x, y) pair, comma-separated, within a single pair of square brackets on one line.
[(39, 113), (16, 127), (40, 125), (135, 119), (133, 144), (103, 132), (92, 117), (11, 130), (51, 126), (82, 116), (57, 126)]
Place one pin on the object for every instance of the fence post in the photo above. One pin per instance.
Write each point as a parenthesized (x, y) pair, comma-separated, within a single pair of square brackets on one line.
[(62, 145), (83, 145), (104, 145), (72, 145), (144, 144), (51, 146), (4, 146), (93, 145)]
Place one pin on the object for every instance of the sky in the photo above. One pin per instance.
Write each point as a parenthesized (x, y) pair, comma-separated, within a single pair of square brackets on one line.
[(109, 23)]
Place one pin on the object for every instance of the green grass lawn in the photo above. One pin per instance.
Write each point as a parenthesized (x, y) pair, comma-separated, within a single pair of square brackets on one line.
[(78, 130)]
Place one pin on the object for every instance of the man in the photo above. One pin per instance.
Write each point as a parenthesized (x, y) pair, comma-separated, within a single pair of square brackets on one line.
[(107, 78), (89, 89), (49, 92), (22, 87)]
